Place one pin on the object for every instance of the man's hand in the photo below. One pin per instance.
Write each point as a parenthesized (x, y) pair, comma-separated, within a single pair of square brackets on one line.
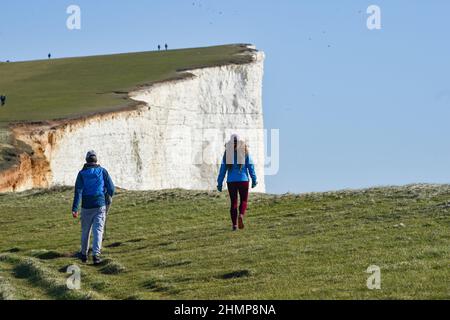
[(75, 214), (219, 188), (254, 184)]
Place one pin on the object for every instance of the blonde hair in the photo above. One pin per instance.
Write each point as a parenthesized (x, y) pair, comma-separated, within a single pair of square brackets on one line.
[(237, 144)]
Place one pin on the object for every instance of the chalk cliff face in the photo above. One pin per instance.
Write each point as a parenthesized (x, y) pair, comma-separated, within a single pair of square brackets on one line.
[(174, 139)]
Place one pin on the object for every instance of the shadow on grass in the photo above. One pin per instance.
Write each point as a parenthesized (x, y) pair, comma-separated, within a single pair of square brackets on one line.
[(160, 286), (170, 264), (114, 245), (48, 255), (120, 243), (236, 274)]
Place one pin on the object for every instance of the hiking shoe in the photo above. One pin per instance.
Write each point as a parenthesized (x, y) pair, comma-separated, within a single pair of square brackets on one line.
[(241, 222), (235, 228), (83, 258), (97, 260)]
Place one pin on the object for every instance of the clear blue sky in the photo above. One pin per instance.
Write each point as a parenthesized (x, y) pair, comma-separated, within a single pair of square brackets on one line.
[(355, 108)]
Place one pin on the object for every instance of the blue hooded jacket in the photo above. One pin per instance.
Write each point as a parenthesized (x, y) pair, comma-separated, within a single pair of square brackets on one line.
[(236, 173), (92, 185)]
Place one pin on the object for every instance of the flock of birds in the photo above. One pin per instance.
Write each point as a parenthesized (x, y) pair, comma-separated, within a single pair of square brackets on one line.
[(200, 5), (216, 12)]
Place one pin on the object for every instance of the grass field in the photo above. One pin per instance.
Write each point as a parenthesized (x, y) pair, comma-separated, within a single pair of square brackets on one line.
[(178, 245), (72, 87)]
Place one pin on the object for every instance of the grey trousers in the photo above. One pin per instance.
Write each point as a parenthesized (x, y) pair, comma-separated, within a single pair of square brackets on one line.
[(92, 220)]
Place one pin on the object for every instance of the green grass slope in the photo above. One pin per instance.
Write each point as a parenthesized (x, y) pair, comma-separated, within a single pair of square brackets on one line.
[(62, 88), (178, 244), (72, 87)]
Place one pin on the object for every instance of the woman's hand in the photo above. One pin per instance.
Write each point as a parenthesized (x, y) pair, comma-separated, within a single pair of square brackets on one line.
[(254, 184), (219, 188)]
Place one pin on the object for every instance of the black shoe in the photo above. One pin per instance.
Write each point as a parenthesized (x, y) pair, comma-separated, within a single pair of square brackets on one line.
[(83, 258), (97, 260)]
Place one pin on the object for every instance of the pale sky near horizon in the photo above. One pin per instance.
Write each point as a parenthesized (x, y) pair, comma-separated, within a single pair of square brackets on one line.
[(355, 107)]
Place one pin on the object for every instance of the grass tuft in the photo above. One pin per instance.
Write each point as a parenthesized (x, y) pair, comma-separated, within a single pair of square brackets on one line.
[(160, 285), (7, 292), (135, 297), (112, 267), (39, 275)]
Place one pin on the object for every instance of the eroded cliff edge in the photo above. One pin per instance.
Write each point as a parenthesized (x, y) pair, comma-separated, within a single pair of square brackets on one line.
[(172, 138)]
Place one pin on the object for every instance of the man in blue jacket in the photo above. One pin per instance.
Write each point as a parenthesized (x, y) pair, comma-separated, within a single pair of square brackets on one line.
[(94, 188)]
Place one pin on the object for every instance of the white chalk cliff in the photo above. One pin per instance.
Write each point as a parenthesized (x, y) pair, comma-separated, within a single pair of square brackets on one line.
[(174, 138)]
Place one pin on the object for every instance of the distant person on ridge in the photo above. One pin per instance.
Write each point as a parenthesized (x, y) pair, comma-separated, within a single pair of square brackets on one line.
[(49, 55), (3, 100), (95, 188), (167, 47), (238, 165), (159, 47)]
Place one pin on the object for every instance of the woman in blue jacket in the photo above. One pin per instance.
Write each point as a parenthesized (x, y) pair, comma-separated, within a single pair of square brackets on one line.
[(239, 167)]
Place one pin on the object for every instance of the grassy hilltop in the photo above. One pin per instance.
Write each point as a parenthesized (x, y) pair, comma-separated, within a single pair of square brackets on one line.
[(72, 87), (64, 88), (178, 244)]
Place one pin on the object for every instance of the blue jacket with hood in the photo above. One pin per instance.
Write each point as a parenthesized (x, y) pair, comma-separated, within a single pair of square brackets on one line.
[(237, 173), (92, 186)]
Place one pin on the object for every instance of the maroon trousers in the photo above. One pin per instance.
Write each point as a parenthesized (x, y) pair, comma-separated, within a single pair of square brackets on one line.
[(235, 188)]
